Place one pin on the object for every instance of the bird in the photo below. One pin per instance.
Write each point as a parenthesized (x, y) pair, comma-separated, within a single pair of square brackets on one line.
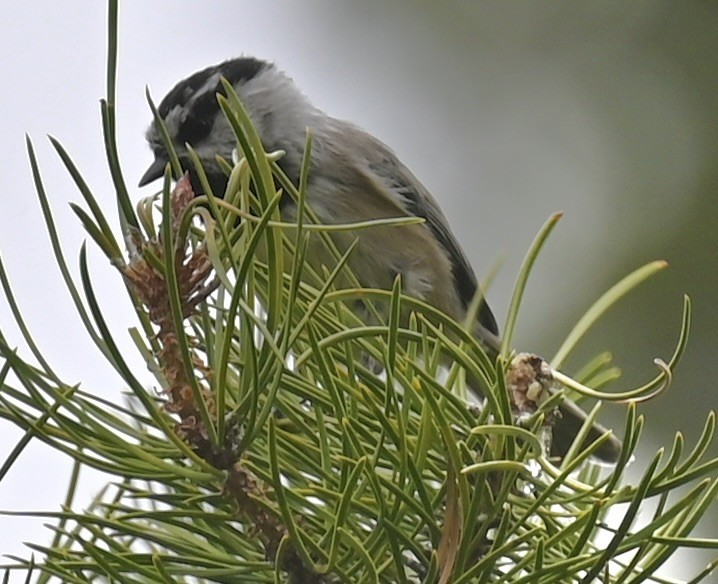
[(353, 177)]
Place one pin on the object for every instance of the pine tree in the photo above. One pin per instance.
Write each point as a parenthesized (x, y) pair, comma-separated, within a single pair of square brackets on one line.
[(275, 451)]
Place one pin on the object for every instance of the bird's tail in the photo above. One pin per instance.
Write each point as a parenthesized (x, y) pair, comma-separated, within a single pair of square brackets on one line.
[(571, 419)]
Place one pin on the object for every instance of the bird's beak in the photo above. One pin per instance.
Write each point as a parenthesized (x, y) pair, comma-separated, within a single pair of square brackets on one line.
[(155, 171)]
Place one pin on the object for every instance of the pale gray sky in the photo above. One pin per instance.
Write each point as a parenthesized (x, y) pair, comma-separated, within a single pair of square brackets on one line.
[(506, 113)]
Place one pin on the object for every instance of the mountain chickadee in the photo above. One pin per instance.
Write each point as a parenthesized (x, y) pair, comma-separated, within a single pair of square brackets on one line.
[(353, 177)]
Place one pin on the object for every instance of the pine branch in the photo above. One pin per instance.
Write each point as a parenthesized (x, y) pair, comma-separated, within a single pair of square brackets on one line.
[(274, 451)]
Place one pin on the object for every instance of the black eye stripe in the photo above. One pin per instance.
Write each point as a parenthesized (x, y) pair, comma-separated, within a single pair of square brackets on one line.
[(234, 71), (201, 110), (200, 118)]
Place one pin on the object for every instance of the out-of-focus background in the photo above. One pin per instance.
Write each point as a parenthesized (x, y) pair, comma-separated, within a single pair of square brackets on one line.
[(507, 112)]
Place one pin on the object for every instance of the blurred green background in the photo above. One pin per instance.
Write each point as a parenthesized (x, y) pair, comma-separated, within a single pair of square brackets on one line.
[(607, 111)]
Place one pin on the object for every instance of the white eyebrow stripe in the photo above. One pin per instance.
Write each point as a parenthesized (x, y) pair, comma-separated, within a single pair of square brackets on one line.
[(211, 84)]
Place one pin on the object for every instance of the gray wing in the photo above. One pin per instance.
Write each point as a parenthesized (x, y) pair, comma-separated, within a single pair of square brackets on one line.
[(417, 201)]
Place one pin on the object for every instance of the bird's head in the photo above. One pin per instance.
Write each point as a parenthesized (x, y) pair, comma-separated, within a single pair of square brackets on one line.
[(192, 116)]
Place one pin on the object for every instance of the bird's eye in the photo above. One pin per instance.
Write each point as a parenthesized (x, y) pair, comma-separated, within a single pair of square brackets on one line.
[(194, 129), (199, 119)]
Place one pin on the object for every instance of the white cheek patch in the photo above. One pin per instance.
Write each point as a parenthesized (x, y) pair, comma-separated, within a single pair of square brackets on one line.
[(221, 141), (174, 119)]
